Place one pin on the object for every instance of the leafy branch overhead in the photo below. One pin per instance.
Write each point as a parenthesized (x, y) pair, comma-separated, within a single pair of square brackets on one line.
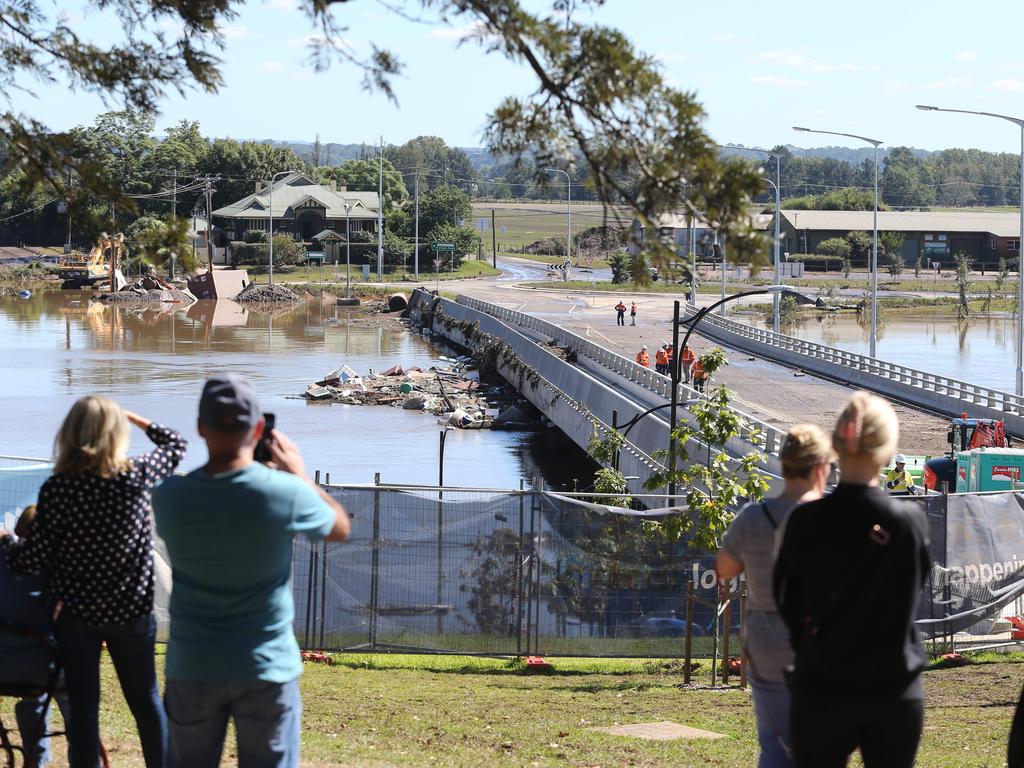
[(596, 97)]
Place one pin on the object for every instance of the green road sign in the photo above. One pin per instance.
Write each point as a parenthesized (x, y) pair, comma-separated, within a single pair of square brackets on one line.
[(443, 246)]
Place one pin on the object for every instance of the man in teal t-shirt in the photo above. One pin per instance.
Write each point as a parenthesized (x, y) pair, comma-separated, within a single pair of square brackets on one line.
[(228, 527)]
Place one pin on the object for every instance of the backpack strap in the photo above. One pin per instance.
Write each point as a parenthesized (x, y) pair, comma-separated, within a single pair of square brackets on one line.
[(768, 515)]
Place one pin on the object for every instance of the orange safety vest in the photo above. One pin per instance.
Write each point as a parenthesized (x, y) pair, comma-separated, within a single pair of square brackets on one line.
[(620, 307), (698, 370), (669, 354), (688, 357), (660, 357), (643, 358)]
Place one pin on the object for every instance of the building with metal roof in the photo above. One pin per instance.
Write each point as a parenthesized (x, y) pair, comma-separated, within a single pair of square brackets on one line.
[(302, 208), (934, 236)]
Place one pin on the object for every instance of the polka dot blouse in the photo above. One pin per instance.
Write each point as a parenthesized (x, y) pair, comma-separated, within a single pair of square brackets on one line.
[(94, 536)]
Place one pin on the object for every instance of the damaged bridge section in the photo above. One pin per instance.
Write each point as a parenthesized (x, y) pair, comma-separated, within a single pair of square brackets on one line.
[(576, 397)]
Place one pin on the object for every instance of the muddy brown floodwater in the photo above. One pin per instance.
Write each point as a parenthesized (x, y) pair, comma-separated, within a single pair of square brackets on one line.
[(57, 346)]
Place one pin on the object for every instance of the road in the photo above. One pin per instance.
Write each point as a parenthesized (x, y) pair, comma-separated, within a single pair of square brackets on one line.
[(778, 395)]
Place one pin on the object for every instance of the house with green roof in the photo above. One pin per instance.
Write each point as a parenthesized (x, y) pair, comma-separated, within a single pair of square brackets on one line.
[(301, 208)]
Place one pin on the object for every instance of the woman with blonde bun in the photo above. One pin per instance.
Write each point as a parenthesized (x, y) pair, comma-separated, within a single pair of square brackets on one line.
[(847, 581), (93, 535), (749, 547)]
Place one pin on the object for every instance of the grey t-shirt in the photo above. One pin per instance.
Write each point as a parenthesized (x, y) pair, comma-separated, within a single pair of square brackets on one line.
[(751, 539)]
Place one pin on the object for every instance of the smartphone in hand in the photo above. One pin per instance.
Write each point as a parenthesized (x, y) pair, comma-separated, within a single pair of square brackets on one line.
[(262, 452)]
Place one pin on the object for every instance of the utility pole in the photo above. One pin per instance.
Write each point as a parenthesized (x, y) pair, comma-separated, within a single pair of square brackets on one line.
[(416, 240), (494, 241), (209, 223), (67, 246), (380, 213), (174, 213)]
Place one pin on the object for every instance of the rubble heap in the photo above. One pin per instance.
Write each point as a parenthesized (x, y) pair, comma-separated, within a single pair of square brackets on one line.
[(148, 289), (253, 293), (452, 392)]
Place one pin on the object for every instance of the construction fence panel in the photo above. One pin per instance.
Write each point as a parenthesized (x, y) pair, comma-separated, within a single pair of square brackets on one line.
[(20, 480)]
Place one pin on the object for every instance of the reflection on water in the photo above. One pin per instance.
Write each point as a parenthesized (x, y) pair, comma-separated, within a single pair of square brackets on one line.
[(981, 350), (58, 346)]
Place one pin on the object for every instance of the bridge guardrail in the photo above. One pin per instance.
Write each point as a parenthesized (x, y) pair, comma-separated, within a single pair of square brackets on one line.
[(971, 394), (628, 369)]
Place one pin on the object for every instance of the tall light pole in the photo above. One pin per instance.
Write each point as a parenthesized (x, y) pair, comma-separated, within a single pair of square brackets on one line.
[(270, 234), (348, 250), (777, 186), (874, 230), (1019, 122), (568, 212), (380, 214)]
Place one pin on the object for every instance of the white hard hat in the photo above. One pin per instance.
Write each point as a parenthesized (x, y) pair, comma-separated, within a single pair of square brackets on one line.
[(900, 459), (643, 347)]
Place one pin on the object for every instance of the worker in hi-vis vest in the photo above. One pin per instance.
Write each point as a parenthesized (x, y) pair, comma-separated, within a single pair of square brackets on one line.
[(898, 480), (643, 358)]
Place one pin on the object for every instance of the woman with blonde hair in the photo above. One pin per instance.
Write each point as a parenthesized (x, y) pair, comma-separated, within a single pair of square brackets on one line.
[(749, 547), (847, 581), (93, 535)]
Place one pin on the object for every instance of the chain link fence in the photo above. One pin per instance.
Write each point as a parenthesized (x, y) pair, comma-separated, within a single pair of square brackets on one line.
[(528, 571)]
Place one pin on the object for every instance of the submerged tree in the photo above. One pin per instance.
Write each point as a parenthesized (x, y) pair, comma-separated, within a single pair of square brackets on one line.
[(963, 263)]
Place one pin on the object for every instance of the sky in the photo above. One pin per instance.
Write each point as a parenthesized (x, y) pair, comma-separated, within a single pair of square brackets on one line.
[(757, 68)]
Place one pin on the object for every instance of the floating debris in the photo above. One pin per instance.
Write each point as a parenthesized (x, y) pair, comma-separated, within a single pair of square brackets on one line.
[(453, 392)]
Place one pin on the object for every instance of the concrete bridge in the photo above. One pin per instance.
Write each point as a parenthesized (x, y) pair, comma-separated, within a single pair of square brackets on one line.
[(579, 397)]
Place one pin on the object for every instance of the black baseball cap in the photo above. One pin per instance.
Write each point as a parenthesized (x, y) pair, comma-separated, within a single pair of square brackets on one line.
[(229, 404)]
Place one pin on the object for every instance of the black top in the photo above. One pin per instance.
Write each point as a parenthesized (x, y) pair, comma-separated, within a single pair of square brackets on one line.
[(847, 581), (94, 536)]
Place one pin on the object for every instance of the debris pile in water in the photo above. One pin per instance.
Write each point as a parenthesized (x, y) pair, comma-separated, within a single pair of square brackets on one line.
[(452, 392), (253, 293)]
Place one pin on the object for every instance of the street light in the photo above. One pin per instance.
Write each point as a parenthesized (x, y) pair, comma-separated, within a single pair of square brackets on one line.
[(1019, 122), (568, 212), (676, 354), (348, 251), (777, 186), (270, 213), (874, 233)]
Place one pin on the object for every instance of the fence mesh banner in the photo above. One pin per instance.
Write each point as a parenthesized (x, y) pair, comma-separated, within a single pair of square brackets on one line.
[(20, 480)]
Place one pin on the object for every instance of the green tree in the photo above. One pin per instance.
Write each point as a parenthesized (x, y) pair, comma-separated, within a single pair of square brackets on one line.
[(435, 161), (860, 247), (621, 265), (396, 250), (716, 483), (446, 204), (890, 251), (164, 243), (364, 176), (466, 240), (963, 262)]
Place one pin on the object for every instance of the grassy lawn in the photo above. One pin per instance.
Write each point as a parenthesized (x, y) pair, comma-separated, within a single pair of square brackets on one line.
[(524, 221), (386, 710)]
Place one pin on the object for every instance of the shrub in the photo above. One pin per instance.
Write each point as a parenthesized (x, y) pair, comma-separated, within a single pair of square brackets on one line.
[(255, 236), (287, 252)]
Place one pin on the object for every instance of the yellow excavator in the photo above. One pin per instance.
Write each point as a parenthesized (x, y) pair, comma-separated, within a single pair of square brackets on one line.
[(100, 265)]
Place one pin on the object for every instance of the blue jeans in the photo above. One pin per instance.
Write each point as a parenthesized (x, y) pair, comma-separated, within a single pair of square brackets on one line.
[(266, 719), (28, 712), (771, 708), (131, 649)]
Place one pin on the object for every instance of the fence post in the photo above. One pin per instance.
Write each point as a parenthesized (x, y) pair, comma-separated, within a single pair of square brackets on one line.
[(375, 564), (311, 586), (520, 587), (540, 536), (323, 594), (726, 626), (688, 635), (743, 627)]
